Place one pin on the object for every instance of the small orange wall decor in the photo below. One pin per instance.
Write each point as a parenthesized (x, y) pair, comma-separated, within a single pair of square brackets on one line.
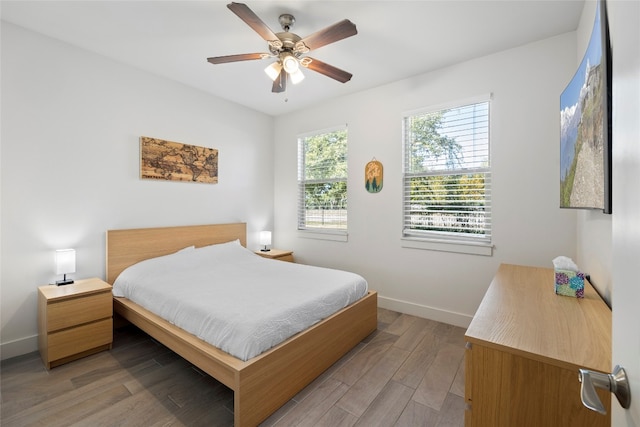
[(174, 161), (373, 176)]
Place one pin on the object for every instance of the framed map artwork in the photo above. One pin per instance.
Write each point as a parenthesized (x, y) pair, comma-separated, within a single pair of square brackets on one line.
[(174, 161)]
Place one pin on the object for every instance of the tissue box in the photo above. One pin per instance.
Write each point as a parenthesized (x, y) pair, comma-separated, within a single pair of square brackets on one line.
[(569, 283)]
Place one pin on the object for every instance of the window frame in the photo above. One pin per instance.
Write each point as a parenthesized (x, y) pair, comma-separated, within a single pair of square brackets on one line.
[(323, 233), (438, 240)]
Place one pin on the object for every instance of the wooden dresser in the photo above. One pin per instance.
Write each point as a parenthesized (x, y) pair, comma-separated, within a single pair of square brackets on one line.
[(525, 345)]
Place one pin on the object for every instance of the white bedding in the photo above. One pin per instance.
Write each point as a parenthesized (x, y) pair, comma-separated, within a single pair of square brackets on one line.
[(236, 300)]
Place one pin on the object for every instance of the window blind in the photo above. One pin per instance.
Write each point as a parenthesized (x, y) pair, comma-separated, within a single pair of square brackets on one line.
[(447, 174), (322, 181)]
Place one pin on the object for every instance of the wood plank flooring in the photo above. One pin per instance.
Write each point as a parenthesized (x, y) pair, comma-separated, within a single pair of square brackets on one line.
[(408, 373)]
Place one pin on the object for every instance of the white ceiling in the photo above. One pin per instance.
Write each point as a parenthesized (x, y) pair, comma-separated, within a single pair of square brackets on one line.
[(395, 40)]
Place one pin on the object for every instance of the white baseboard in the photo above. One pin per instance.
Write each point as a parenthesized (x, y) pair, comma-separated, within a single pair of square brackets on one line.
[(18, 347), (449, 317)]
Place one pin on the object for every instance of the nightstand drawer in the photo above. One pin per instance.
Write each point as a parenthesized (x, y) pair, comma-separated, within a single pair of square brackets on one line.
[(76, 311), (76, 340)]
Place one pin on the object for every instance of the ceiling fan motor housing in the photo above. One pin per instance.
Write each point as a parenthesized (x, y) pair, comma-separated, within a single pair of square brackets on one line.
[(287, 42)]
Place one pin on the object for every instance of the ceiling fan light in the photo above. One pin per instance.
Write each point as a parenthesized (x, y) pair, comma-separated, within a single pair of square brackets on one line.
[(296, 76), (290, 64), (273, 70)]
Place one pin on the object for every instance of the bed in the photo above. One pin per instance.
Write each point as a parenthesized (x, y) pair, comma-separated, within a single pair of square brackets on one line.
[(262, 383)]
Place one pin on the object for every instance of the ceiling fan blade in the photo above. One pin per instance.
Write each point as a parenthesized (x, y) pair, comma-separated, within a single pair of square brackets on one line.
[(328, 70), (335, 32), (252, 20), (235, 58), (280, 83)]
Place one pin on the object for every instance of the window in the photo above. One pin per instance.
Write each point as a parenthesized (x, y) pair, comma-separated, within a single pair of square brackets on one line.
[(447, 175), (322, 181)]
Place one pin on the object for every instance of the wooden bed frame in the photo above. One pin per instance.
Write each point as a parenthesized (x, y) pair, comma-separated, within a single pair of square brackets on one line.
[(263, 384)]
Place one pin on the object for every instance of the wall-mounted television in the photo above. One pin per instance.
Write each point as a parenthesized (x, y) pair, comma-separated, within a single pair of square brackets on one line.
[(585, 126)]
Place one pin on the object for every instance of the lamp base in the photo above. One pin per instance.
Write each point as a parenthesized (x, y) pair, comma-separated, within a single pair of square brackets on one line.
[(64, 282), (265, 250)]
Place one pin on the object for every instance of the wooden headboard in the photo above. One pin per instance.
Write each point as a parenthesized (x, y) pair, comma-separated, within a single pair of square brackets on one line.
[(127, 247)]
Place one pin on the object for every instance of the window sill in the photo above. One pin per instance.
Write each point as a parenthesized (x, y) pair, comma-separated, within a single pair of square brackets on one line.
[(470, 248), (335, 236)]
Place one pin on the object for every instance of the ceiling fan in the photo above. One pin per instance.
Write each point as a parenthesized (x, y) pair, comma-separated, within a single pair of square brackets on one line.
[(289, 48)]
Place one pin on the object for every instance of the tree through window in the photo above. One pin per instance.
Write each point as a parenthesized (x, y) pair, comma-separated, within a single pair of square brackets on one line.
[(447, 174), (322, 181)]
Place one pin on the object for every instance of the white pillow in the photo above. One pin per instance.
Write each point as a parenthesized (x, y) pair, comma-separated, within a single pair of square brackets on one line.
[(220, 246)]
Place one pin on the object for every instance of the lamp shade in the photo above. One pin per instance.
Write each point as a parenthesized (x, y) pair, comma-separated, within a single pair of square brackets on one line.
[(290, 64), (265, 238), (296, 76), (273, 70), (65, 261)]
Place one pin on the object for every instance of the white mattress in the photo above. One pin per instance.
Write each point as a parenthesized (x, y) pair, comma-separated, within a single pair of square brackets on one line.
[(236, 300)]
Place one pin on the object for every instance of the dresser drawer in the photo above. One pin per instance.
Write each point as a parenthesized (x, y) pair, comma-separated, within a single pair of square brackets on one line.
[(81, 338), (76, 311)]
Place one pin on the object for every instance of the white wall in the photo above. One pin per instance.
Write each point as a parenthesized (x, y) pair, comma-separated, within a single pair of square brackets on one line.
[(528, 226), (594, 228), (71, 121)]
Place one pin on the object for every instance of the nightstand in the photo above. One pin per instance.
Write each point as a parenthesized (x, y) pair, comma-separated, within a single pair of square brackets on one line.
[(278, 254), (74, 320)]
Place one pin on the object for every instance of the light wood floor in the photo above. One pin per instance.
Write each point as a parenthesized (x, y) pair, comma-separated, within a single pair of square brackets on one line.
[(408, 373)]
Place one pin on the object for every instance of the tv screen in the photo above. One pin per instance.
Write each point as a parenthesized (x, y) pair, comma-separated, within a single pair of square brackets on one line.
[(585, 123)]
